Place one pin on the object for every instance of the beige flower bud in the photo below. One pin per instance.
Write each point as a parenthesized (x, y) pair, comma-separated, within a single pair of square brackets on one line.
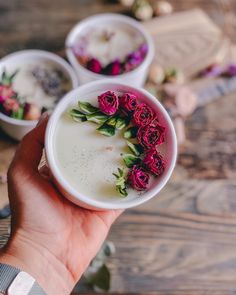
[(162, 8), (156, 74), (142, 10), (127, 3)]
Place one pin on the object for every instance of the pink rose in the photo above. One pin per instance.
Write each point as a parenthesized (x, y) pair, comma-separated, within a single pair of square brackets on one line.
[(128, 102), (108, 102), (94, 65), (113, 68), (150, 136), (5, 92), (10, 105), (154, 162), (143, 115), (138, 178)]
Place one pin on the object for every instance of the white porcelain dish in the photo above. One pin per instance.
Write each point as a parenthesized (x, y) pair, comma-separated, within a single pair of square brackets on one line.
[(135, 77), (168, 149), (18, 128)]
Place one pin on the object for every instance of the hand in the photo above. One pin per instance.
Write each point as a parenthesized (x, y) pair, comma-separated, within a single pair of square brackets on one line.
[(51, 238)]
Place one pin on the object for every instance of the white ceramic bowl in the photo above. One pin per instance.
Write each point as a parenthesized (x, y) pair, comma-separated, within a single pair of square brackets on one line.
[(18, 128), (135, 77), (168, 149)]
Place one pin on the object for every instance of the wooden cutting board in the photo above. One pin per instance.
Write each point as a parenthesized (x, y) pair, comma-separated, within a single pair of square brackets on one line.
[(187, 40)]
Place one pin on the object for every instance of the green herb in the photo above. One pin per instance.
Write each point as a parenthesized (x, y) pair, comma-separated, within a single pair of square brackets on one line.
[(87, 108), (121, 183), (121, 123), (101, 278), (106, 130), (98, 118), (136, 149), (77, 115), (131, 160), (112, 121), (131, 132), (19, 114), (8, 79)]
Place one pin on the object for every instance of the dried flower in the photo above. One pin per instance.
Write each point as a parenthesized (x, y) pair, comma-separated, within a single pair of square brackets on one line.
[(94, 65), (153, 162), (151, 135), (138, 178), (31, 112), (213, 70), (113, 69), (162, 8), (128, 102), (142, 10), (108, 103), (156, 74), (143, 115)]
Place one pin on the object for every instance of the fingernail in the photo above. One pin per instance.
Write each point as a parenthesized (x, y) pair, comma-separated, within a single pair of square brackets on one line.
[(42, 118)]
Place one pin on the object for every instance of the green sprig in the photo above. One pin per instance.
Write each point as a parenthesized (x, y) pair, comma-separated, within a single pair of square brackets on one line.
[(121, 182)]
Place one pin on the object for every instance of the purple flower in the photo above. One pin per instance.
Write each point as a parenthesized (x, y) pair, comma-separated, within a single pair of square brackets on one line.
[(108, 103), (143, 49), (94, 65), (113, 68), (231, 70), (213, 70)]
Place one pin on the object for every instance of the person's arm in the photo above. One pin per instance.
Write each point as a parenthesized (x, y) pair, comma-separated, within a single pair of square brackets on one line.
[(51, 239)]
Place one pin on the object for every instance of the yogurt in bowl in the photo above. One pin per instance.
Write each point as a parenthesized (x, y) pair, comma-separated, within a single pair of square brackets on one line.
[(31, 82), (110, 46), (95, 158)]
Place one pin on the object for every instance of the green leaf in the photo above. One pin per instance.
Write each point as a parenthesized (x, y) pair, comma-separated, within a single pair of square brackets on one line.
[(130, 160), (136, 149), (87, 108), (106, 130), (131, 132), (101, 278), (111, 121), (98, 118), (121, 123), (19, 114), (121, 183), (77, 115)]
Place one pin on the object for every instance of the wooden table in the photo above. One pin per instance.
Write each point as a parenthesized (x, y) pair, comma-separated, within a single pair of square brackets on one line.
[(182, 242)]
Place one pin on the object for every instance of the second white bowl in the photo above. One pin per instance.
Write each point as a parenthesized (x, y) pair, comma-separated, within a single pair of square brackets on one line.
[(135, 77)]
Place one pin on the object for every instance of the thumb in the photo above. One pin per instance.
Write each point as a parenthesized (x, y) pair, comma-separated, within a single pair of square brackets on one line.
[(30, 150)]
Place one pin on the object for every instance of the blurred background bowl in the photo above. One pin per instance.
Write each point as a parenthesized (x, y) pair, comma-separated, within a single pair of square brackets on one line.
[(18, 128), (135, 77)]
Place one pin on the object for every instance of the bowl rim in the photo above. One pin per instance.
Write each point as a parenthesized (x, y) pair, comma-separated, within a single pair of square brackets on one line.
[(43, 54), (76, 30), (72, 193)]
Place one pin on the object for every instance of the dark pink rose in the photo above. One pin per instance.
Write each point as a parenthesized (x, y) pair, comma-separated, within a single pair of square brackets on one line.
[(128, 102), (143, 115), (10, 105), (94, 65), (138, 178), (154, 162), (150, 136), (113, 69), (108, 102), (6, 92)]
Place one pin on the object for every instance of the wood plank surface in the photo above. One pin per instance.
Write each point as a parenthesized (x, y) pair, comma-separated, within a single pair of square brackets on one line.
[(183, 241)]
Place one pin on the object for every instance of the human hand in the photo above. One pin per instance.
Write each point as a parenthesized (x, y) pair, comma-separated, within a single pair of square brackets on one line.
[(51, 238)]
